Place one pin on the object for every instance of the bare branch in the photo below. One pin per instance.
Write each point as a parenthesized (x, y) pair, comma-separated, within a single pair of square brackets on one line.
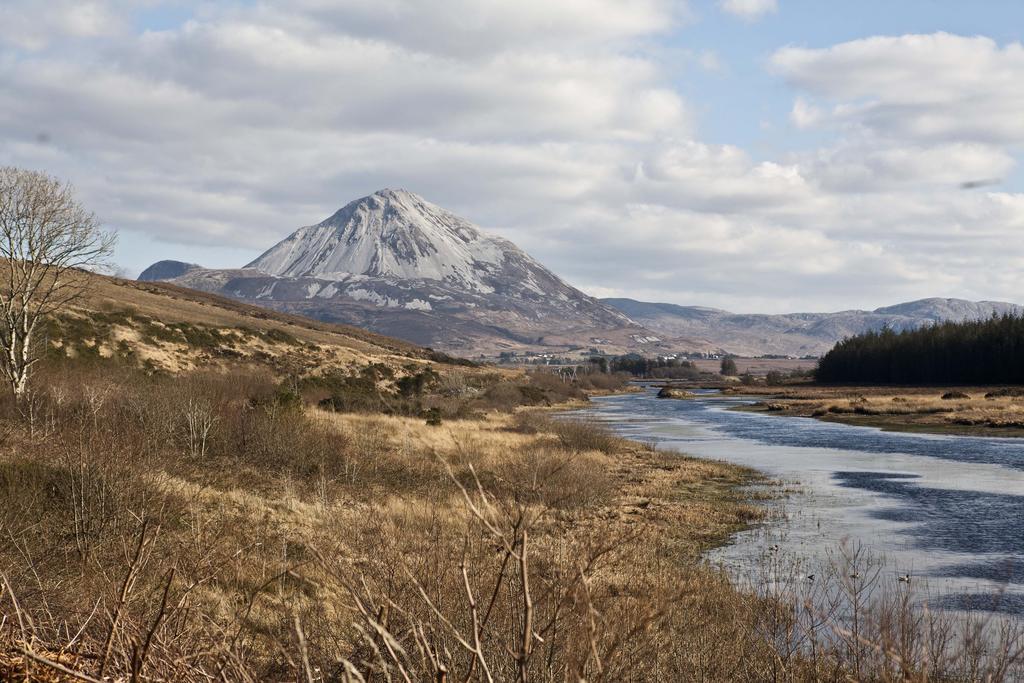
[(47, 243), (57, 666)]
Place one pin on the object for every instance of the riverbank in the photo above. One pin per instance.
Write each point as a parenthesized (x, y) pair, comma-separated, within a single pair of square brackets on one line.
[(966, 411), (863, 509)]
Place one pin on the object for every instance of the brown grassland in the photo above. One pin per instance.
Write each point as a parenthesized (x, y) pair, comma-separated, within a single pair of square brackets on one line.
[(197, 490), (982, 411)]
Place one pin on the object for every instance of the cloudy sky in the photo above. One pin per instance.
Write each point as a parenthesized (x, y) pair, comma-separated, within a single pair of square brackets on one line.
[(755, 155)]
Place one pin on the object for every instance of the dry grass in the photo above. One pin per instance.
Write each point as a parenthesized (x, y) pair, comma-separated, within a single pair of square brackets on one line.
[(170, 303), (964, 410), (211, 527), (229, 515), (163, 327)]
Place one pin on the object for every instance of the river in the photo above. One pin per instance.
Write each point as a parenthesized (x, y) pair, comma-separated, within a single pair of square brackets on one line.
[(946, 510)]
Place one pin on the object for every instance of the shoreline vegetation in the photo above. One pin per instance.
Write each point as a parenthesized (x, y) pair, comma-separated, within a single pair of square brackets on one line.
[(966, 411), (279, 502)]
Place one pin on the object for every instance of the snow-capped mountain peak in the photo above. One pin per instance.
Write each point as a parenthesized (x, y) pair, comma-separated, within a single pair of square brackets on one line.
[(394, 234)]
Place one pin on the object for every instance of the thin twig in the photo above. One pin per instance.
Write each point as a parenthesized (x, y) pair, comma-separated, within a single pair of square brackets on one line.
[(57, 666)]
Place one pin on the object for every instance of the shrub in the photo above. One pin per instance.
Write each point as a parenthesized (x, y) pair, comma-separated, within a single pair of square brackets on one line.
[(548, 388), (551, 477), (350, 393), (445, 359), (1006, 392), (577, 435), (276, 334), (414, 385), (603, 382), (504, 396)]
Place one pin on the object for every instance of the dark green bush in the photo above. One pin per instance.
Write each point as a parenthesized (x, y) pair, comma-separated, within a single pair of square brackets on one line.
[(1006, 392), (434, 417)]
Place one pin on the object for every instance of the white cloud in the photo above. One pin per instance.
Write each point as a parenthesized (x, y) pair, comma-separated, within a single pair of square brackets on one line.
[(805, 114), (937, 87), (465, 28), (554, 124), (339, 81), (33, 25), (749, 10), (871, 167)]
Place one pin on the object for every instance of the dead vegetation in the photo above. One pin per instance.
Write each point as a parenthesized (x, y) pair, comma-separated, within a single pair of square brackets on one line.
[(210, 525), (218, 526)]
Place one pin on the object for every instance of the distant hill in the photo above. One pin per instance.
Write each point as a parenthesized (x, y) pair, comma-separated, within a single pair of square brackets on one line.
[(166, 270), (797, 334), (396, 264)]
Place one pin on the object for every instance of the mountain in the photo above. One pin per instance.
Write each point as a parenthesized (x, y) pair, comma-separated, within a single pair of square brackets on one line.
[(950, 309), (398, 265), (797, 334), (396, 234), (166, 270)]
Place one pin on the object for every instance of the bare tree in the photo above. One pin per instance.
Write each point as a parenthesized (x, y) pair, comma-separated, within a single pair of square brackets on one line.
[(47, 242)]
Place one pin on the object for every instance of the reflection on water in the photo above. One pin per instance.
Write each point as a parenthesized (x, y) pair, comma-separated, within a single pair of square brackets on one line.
[(945, 509)]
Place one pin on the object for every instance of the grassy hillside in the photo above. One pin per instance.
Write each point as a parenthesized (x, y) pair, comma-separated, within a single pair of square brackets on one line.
[(177, 328), (197, 490)]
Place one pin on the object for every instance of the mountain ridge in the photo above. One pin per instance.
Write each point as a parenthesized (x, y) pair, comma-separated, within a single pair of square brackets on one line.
[(442, 281), (798, 334)]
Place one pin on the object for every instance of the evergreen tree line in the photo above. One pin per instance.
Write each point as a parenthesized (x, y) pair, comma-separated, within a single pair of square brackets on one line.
[(974, 352)]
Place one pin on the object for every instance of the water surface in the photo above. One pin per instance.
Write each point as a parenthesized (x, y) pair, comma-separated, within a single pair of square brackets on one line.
[(948, 510)]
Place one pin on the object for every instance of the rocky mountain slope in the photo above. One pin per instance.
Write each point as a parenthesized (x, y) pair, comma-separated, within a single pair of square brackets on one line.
[(797, 334), (401, 266)]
